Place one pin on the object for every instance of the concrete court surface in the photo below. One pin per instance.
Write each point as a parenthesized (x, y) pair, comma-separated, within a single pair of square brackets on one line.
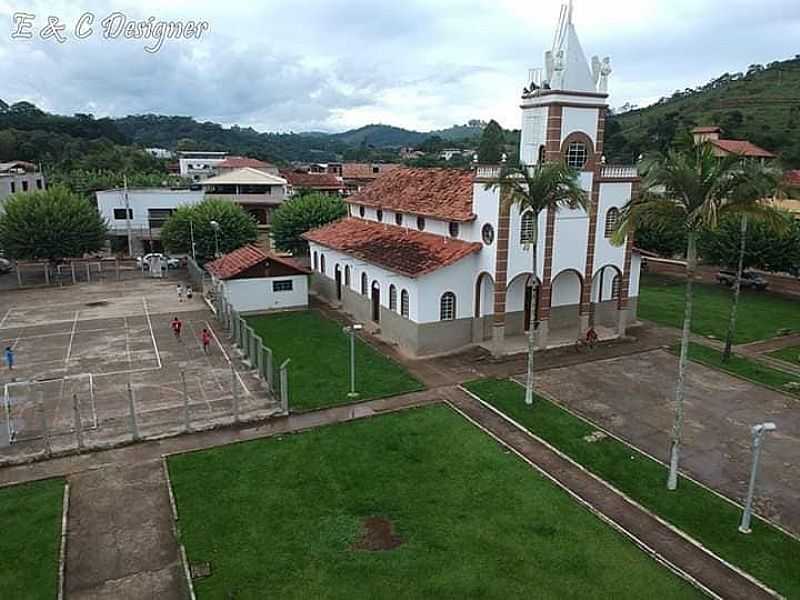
[(631, 396), (89, 342)]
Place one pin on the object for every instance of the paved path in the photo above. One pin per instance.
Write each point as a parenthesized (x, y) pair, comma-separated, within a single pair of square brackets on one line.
[(684, 555)]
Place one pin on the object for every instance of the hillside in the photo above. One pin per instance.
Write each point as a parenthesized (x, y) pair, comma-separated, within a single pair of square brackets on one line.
[(761, 105)]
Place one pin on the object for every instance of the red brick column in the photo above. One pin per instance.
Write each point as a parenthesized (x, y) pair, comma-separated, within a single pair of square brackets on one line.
[(501, 261), (625, 284), (547, 273), (593, 209)]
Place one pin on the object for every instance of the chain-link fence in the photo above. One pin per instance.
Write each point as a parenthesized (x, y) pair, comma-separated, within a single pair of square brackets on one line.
[(44, 273)]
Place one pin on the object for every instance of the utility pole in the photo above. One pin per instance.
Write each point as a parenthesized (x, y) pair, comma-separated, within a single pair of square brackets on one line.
[(191, 235), (127, 215), (758, 432)]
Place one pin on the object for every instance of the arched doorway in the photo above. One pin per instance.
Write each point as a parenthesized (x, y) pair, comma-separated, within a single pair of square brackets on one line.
[(521, 300), (338, 275), (376, 302), (605, 296), (565, 304)]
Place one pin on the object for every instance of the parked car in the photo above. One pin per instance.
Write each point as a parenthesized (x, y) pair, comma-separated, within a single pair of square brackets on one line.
[(143, 262), (6, 266), (749, 280)]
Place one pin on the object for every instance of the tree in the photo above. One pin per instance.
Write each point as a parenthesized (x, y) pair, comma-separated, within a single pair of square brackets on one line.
[(689, 180), (50, 224), (236, 228), (547, 186), (492, 144), (300, 214)]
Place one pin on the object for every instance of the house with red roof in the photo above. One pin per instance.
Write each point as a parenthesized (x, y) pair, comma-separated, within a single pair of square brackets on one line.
[(300, 180), (724, 147), (436, 262), (254, 281)]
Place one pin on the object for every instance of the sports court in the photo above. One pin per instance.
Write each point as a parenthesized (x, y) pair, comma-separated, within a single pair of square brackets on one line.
[(96, 364)]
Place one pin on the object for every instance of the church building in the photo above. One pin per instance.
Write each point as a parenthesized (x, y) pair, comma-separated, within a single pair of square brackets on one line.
[(437, 263)]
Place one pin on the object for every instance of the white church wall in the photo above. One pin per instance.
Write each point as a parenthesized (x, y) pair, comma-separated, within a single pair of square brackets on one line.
[(534, 133), (636, 271), (612, 195), (569, 241), (566, 289), (519, 257), (583, 120), (458, 278)]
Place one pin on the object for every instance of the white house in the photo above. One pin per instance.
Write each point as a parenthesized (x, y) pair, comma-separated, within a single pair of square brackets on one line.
[(439, 263), (199, 165), (253, 281)]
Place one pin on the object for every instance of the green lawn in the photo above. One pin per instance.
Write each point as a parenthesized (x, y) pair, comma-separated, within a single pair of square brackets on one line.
[(743, 367), (319, 374), (30, 539), (278, 518), (768, 554), (791, 354), (760, 314)]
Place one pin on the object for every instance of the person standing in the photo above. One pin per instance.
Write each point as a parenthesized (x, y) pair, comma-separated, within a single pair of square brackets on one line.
[(205, 338), (179, 289), (188, 292), (177, 325), (8, 355)]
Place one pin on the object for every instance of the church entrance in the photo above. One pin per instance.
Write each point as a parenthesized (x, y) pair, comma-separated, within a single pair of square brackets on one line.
[(376, 302)]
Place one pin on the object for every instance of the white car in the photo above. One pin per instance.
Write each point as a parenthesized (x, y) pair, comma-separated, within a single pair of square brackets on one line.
[(143, 262)]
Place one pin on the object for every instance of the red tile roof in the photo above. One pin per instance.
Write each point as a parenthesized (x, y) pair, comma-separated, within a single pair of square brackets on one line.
[(241, 162), (742, 147), (366, 170), (312, 181), (236, 262), (401, 250), (793, 178), (706, 130), (438, 193)]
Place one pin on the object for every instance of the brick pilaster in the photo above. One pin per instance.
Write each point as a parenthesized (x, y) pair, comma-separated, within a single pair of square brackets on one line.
[(625, 284), (501, 260)]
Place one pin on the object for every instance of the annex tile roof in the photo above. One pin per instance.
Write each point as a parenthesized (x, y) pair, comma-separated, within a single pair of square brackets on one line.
[(742, 147), (240, 260), (240, 162), (367, 170), (405, 251), (438, 193), (316, 181), (245, 176)]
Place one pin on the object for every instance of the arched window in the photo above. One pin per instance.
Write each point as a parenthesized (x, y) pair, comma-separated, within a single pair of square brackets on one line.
[(447, 307), (380, 215), (361, 211), (421, 223), (577, 155), (612, 220), (526, 228), (322, 263), (347, 275), (453, 229), (404, 303), (392, 297), (542, 154), (615, 283), (316, 260), (398, 218), (364, 284)]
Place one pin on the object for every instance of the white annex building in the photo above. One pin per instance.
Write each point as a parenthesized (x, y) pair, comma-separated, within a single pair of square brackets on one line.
[(438, 263)]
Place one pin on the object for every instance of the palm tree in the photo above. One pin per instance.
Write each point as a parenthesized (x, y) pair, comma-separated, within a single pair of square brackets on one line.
[(694, 184), (536, 188), (757, 184)]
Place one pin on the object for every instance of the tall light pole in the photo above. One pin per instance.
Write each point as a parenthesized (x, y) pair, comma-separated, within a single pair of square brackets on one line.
[(215, 227), (127, 214), (191, 235), (758, 435), (355, 327)]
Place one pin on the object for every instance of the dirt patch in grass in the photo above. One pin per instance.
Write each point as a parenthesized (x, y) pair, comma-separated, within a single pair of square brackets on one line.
[(377, 534)]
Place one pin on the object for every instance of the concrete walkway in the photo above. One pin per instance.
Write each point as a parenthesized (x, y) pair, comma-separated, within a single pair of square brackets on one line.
[(650, 532)]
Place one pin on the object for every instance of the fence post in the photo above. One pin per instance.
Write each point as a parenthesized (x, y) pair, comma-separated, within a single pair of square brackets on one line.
[(78, 425), (235, 394), (285, 387), (251, 347), (116, 266), (243, 335), (134, 425), (45, 430), (47, 273), (187, 418), (269, 369), (259, 355), (72, 268), (88, 272)]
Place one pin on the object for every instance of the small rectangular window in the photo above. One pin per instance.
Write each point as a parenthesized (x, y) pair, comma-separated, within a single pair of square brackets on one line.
[(24, 186), (284, 285), (38, 184), (119, 214), (13, 187)]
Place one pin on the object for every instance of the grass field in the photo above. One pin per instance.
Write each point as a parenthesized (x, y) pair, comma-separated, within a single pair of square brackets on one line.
[(319, 374), (760, 314), (279, 518), (790, 354), (767, 553), (743, 367), (30, 540)]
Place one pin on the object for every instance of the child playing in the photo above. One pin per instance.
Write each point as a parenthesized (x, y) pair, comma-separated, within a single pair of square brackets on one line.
[(177, 325), (205, 337), (8, 355)]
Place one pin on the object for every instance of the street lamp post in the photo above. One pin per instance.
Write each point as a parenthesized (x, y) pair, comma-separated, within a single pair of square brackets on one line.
[(758, 435), (355, 327), (191, 235), (215, 227)]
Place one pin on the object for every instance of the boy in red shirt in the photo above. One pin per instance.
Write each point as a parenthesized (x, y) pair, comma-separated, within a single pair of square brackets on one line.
[(205, 337), (177, 325)]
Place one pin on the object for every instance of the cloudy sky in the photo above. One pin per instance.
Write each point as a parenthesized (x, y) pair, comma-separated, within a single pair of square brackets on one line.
[(337, 64)]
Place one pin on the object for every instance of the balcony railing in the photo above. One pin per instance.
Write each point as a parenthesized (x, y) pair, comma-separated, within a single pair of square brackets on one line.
[(488, 171), (619, 172)]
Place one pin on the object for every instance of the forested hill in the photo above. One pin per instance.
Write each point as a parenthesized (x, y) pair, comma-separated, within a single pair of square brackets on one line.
[(761, 105)]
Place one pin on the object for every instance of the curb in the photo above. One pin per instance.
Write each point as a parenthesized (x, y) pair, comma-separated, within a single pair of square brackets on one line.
[(62, 552), (633, 502), (187, 573)]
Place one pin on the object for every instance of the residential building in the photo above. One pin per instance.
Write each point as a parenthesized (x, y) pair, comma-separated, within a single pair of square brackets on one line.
[(147, 210), (20, 176), (301, 180), (199, 165), (357, 176), (257, 191), (449, 153), (436, 262), (253, 281), (792, 202), (723, 147), (233, 163), (160, 153)]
